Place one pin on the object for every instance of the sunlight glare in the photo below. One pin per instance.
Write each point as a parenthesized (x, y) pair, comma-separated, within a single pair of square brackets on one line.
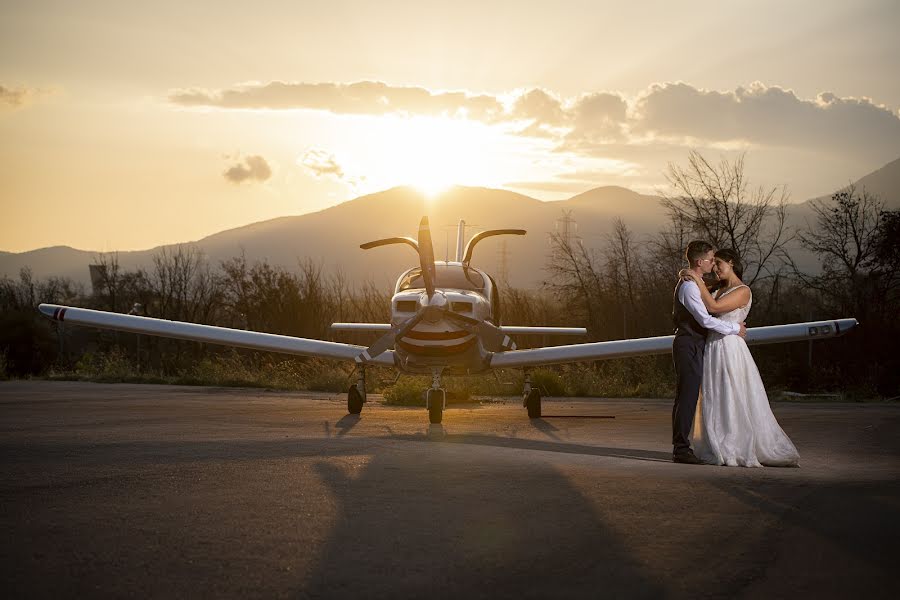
[(433, 154)]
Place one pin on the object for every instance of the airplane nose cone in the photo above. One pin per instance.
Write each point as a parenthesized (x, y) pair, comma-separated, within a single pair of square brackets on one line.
[(438, 300)]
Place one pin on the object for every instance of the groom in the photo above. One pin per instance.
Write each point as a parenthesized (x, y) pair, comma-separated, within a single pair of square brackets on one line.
[(692, 322)]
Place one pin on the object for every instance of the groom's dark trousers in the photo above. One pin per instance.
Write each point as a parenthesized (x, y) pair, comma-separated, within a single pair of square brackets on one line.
[(687, 354)]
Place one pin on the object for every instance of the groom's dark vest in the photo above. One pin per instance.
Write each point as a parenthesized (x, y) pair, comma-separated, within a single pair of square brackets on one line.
[(684, 321)]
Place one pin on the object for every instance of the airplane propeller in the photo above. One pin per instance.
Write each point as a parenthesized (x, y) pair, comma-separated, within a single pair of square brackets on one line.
[(426, 257), (434, 306)]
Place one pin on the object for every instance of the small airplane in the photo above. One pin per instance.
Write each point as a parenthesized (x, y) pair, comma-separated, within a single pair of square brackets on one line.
[(445, 319)]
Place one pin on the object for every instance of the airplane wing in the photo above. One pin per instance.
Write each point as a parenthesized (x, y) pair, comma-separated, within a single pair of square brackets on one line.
[(210, 334), (662, 345), (507, 329)]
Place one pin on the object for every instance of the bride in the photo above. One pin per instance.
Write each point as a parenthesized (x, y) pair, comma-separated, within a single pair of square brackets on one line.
[(734, 424)]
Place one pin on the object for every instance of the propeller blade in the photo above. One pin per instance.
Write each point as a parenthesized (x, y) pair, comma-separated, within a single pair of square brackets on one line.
[(492, 337), (387, 340), (426, 256)]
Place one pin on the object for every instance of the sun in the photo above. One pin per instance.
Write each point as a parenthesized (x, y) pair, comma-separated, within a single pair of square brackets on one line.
[(432, 154), (431, 190)]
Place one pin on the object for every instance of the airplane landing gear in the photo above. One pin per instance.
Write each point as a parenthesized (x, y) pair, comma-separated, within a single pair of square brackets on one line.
[(435, 398), (532, 402), (356, 395), (531, 398)]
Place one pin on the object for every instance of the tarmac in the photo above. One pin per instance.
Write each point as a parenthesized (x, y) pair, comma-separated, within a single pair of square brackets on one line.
[(173, 492)]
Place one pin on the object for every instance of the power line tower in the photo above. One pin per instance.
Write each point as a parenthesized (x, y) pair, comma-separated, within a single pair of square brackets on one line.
[(567, 227), (503, 263), (566, 234)]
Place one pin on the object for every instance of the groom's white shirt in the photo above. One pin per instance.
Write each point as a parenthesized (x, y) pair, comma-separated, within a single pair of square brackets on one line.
[(689, 296)]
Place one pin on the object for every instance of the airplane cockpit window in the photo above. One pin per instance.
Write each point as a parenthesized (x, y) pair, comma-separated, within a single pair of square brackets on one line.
[(445, 276)]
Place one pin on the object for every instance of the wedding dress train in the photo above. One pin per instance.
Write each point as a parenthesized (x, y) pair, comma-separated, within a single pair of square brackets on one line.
[(734, 424)]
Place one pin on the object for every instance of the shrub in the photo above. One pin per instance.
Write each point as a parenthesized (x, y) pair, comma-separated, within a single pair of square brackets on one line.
[(324, 376), (110, 366), (407, 391), (548, 381)]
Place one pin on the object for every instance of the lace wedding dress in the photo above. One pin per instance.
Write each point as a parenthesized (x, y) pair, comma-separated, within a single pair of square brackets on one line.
[(734, 424)]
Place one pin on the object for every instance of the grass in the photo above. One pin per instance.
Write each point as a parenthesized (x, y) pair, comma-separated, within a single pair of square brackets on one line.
[(643, 377)]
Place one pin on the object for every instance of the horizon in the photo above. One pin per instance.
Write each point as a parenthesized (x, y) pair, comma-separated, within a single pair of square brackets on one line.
[(126, 128), (427, 196)]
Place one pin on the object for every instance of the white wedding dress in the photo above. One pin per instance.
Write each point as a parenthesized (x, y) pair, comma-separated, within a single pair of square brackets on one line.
[(734, 424)]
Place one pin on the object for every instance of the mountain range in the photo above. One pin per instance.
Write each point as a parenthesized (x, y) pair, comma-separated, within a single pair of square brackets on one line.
[(332, 236)]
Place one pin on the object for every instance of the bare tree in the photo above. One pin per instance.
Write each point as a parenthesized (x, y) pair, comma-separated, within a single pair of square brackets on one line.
[(855, 242), (370, 304), (185, 287), (574, 278), (712, 202), (622, 257), (886, 261), (317, 304), (106, 280)]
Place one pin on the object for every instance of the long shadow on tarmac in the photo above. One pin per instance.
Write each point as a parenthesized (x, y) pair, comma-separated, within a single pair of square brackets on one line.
[(175, 451), (541, 445), (439, 525), (444, 528), (424, 519)]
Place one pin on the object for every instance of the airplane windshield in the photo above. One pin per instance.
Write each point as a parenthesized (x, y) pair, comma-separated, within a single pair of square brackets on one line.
[(446, 276)]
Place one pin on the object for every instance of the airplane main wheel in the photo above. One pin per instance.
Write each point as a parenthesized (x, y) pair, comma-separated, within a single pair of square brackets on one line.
[(435, 406), (354, 401), (533, 404)]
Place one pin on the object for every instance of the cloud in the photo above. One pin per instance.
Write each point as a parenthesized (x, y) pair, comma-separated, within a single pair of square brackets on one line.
[(598, 117), (650, 128), (14, 98), (539, 106), (767, 116), (363, 97), (252, 168), (321, 164), (669, 112)]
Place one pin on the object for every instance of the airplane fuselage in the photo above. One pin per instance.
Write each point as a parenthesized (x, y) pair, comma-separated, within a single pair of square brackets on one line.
[(437, 341)]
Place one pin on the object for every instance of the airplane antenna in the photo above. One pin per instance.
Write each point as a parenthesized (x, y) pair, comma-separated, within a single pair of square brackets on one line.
[(460, 241)]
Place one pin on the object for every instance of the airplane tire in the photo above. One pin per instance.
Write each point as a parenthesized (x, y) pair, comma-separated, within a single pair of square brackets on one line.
[(436, 407), (533, 404), (354, 401)]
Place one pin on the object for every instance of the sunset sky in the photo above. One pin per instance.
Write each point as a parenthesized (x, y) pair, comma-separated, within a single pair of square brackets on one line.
[(127, 125)]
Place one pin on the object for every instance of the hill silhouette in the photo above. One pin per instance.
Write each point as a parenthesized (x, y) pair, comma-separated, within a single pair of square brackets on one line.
[(332, 236)]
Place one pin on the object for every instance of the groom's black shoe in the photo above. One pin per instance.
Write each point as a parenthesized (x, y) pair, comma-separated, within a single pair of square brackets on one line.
[(687, 457)]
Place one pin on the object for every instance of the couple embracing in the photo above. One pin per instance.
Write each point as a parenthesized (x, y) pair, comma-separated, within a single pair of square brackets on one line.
[(732, 423)]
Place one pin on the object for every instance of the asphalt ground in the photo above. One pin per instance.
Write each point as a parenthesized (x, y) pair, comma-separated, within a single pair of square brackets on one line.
[(175, 492)]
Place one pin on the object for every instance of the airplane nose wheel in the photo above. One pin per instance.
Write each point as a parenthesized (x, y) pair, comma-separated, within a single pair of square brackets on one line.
[(356, 395), (435, 398)]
